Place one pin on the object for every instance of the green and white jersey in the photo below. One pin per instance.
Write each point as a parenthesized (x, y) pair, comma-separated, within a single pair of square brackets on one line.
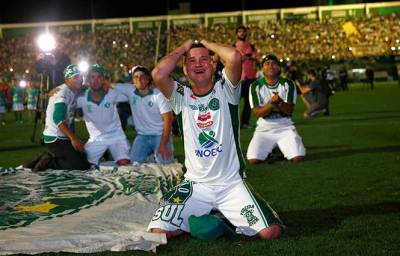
[(32, 94), (210, 125), (147, 109), (17, 95), (261, 94), (101, 118), (61, 107)]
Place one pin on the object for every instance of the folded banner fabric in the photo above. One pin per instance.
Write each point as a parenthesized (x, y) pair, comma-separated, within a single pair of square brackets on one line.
[(82, 211)]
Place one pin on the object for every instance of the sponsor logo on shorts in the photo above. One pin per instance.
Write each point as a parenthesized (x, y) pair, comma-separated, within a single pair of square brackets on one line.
[(248, 213)]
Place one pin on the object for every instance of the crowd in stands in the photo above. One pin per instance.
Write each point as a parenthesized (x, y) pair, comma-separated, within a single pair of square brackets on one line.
[(299, 40)]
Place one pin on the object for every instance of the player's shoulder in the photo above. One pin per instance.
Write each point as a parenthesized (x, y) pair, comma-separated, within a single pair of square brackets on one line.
[(285, 81)]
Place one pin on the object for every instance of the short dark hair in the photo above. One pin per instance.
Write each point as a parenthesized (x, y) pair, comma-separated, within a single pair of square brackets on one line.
[(269, 57), (241, 27), (312, 72), (142, 69), (197, 44)]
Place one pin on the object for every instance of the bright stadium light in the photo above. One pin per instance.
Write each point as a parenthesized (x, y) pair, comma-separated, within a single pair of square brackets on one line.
[(121, 65), (287, 59), (27, 71), (397, 41), (272, 36), (114, 43), (126, 45), (392, 48), (280, 60), (83, 66), (11, 70), (22, 84), (333, 57), (46, 42)]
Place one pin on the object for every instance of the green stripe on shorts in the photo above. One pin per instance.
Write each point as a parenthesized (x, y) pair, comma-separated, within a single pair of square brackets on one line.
[(269, 216)]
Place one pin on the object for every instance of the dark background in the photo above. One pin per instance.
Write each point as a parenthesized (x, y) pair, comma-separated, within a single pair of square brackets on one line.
[(14, 11)]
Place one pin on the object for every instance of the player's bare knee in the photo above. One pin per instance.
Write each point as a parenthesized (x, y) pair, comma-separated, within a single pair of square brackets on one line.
[(297, 159), (254, 161), (270, 233)]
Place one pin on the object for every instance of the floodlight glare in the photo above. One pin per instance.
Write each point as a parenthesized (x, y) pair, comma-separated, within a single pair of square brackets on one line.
[(22, 84), (46, 42), (83, 66), (27, 71)]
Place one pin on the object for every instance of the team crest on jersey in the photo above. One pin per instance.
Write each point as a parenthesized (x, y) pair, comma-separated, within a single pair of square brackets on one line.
[(107, 105), (89, 109), (204, 120), (151, 104), (213, 104), (248, 213)]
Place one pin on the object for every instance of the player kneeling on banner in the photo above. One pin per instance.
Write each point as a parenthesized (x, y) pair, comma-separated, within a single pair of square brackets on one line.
[(209, 116), (99, 107), (272, 99), (67, 151)]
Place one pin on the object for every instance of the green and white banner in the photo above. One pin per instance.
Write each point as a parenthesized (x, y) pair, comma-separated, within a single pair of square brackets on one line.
[(82, 211)]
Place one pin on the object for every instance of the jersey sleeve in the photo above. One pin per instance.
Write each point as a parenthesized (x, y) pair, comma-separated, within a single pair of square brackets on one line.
[(232, 92), (162, 103), (59, 114), (124, 89), (118, 96), (254, 96), (176, 99), (291, 93)]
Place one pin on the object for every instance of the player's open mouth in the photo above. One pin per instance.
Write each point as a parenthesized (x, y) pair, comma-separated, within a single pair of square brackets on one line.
[(199, 71)]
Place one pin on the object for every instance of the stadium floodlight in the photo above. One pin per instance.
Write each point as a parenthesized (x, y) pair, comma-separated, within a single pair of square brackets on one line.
[(83, 66), (46, 42), (22, 84)]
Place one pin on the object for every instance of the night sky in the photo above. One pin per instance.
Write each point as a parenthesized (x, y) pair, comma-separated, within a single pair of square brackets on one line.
[(14, 11)]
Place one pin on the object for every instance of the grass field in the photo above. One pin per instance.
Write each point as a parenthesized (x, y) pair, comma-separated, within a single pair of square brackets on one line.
[(343, 200)]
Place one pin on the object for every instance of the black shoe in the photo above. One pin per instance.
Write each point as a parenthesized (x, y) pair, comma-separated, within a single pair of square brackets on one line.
[(44, 163), (31, 164)]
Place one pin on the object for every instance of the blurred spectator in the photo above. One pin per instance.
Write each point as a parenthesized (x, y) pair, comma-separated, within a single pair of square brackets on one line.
[(321, 93), (369, 73), (343, 79), (249, 58), (53, 65), (17, 95)]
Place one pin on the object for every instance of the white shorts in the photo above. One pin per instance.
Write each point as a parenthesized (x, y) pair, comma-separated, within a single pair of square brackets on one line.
[(287, 139), (119, 149), (31, 106), (236, 202), (18, 107)]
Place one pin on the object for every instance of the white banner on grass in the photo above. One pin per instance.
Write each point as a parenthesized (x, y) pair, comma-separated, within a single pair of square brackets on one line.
[(82, 211)]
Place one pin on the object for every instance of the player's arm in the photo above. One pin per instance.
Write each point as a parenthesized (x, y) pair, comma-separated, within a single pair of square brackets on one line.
[(162, 72), (230, 57), (60, 110), (167, 124)]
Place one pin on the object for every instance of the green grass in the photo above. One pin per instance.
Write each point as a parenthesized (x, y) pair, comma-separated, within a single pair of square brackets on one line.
[(343, 200)]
